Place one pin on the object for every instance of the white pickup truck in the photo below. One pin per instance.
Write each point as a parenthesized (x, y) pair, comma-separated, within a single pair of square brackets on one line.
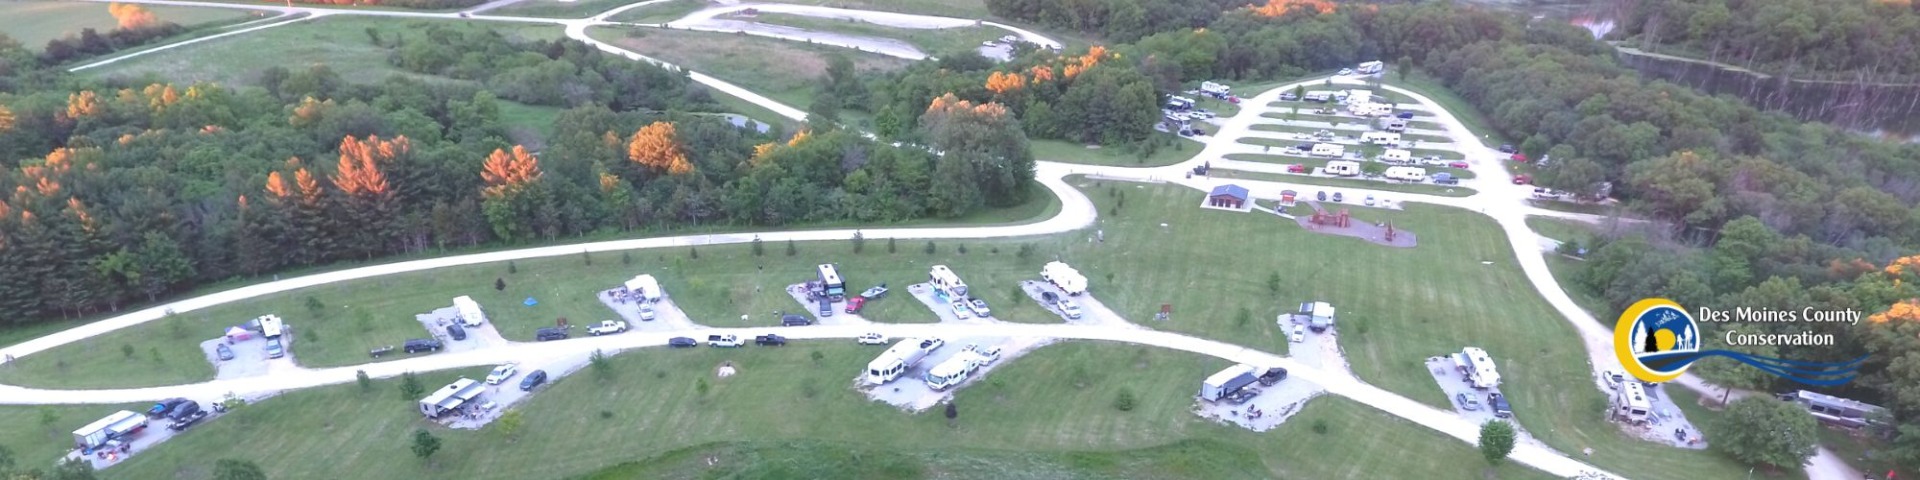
[(607, 327), (729, 341)]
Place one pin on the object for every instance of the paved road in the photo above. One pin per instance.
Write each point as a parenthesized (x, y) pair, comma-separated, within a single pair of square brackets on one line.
[(1497, 198)]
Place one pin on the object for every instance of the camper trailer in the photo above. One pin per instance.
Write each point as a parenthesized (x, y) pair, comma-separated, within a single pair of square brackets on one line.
[(1215, 90), (1630, 403), (647, 286), (1178, 103), (1369, 68), (1410, 174), (1328, 150), (1227, 382), (900, 357), (119, 424), (1354, 96), (470, 313), (1380, 138), (1395, 155), (1834, 410), (1321, 97), (1478, 367), (1061, 275), (1392, 124), (1343, 168), (946, 284), (954, 371), (1369, 109), (1318, 315), (451, 397), (271, 326)]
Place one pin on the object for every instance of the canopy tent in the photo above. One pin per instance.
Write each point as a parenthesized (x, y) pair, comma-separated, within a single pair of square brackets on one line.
[(531, 302), (237, 333)]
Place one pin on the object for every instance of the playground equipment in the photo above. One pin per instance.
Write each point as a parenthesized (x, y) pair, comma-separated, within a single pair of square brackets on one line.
[(1321, 217), (1389, 230)]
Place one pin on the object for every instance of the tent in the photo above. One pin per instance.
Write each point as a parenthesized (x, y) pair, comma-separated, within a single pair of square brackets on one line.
[(531, 302), (236, 333)]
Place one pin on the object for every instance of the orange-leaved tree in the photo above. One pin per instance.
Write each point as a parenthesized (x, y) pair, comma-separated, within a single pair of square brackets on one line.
[(655, 147), (6, 119), (506, 204), (83, 104), (1001, 83), (131, 16)]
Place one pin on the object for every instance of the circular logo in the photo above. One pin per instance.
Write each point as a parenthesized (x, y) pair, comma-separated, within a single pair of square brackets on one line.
[(1655, 339)]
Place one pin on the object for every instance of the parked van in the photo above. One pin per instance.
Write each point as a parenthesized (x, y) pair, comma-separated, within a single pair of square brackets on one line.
[(1343, 168), (1328, 150)]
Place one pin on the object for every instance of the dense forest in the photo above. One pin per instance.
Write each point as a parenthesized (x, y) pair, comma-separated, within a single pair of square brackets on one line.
[(1876, 40), (126, 192), (1750, 208), (1089, 97), (134, 25)]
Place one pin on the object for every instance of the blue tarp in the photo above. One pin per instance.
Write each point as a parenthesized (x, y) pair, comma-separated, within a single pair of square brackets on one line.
[(531, 302)]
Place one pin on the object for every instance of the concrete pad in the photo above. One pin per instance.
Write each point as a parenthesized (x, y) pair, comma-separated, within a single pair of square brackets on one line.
[(911, 393), (497, 399), (478, 337), (1275, 404), (839, 317), (1092, 312), (1666, 419), (667, 317), (924, 293), (1318, 349), (249, 358), (1455, 383)]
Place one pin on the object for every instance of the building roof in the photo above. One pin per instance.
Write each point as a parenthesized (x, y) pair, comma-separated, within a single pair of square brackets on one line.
[(1230, 190)]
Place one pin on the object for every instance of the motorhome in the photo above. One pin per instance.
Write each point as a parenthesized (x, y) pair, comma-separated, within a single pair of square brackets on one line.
[(1328, 150), (898, 358), (1410, 174), (469, 310), (1321, 97), (1380, 138), (1064, 276), (1179, 103), (954, 371), (451, 397), (271, 326), (1394, 155), (830, 277), (1834, 410), (1343, 168), (1478, 367), (1215, 90), (946, 284), (647, 286), (1369, 109), (1369, 68), (1630, 403), (1227, 382), (1354, 96)]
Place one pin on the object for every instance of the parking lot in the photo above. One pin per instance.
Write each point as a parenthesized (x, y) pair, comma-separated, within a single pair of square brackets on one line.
[(839, 316), (1092, 312), (924, 293), (1456, 384), (667, 317), (910, 391), (479, 337)]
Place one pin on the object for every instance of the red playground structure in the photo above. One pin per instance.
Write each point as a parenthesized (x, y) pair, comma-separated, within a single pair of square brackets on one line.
[(1321, 217)]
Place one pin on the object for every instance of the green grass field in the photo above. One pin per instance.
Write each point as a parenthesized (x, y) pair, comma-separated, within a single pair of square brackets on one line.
[(1420, 188), (930, 41), (1562, 229), (655, 13), (784, 71), (1045, 415), (33, 23), (39, 435), (339, 42), (1070, 152)]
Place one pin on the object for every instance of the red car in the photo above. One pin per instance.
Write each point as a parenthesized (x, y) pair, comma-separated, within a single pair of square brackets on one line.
[(1296, 168), (1459, 165), (1522, 179), (1519, 157), (855, 303)]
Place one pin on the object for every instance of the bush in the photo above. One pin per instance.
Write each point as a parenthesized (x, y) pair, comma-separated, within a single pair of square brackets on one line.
[(962, 249), (930, 248), (1124, 401), (693, 253), (1320, 426)]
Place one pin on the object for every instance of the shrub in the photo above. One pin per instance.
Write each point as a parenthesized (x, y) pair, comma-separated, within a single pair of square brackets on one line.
[(1124, 401)]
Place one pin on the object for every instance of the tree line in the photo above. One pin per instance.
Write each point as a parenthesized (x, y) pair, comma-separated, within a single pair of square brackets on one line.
[(1877, 41), (134, 26), (118, 192)]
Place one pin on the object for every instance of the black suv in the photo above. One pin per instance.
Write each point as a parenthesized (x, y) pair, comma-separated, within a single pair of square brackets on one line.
[(184, 410), (1272, 376), (162, 409), (682, 342), (1499, 405), (422, 345), (456, 332), (550, 333), (791, 320)]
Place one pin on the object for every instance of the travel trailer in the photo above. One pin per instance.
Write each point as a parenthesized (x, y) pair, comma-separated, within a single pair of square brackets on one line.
[(1410, 174), (1380, 138), (1328, 150), (1394, 155), (1343, 168)]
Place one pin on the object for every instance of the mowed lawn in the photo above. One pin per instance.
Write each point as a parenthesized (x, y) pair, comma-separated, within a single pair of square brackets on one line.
[(1072, 152), (33, 23), (1048, 414), (724, 283), (339, 42), (932, 41), (39, 435), (782, 70), (1419, 188)]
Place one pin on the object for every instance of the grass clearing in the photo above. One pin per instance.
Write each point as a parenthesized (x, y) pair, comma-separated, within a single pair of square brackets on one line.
[(339, 42), (1070, 152), (39, 435), (1575, 207), (929, 41), (656, 13), (1562, 229), (33, 23), (1420, 188), (1021, 416), (784, 71)]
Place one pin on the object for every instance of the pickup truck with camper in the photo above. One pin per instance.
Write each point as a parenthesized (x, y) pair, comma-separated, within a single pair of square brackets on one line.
[(607, 327), (724, 341), (770, 340)]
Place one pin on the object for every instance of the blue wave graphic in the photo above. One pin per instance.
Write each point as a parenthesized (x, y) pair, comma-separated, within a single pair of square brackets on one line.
[(1824, 374)]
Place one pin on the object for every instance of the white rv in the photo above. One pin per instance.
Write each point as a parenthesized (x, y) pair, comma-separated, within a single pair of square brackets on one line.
[(1411, 174), (271, 326), (1179, 103), (451, 397), (1215, 89), (1227, 382), (1343, 168), (1321, 97), (1380, 138), (1369, 68), (947, 284), (647, 286), (1478, 367), (954, 371), (1318, 315), (1369, 109), (898, 358), (1065, 277), (1394, 155), (470, 313), (1328, 150), (1358, 96), (1630, 403)]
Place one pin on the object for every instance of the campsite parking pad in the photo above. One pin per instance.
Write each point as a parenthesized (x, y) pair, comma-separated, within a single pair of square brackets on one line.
[(497, 399), (1092, 312), (1455, 383), (479, 337), (157, 431), (249, 359), (1666, 418), (1275, 403), (840, 316), (667, 317), (924, 293), (910, 391)]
